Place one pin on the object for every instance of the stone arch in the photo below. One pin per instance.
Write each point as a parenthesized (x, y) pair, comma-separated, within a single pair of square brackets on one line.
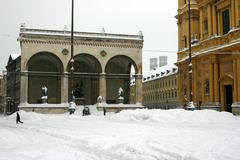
[(118, 74), (86, 73), (44, 68)]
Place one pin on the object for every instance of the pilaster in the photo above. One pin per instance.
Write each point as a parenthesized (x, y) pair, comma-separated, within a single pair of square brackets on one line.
[(202, 76), (232, 16), (234, 80), (102, 86), (236, 95), (216, 82), (138, 88), (194, 71), (211, 83), (219, 23), (24, 88), (237, 12), (209, 20), (214, 20), (201, 23), (238, 78), (64, 88)]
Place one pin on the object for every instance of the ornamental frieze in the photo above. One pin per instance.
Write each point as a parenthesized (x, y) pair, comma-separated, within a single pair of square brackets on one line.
[(120, 45), (80, 38)]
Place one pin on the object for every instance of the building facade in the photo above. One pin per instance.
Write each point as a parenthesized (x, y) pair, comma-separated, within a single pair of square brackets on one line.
[(215, 32), (153, 63), (102, 64), (162, 61), (160, 88), (12, 98)]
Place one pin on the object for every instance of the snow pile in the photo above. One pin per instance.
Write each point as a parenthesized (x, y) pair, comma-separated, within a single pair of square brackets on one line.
[(129, 135), (177, 116), (28, 116)]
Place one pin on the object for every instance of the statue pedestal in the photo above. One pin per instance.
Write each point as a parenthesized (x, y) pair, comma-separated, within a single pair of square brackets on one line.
[(44, 99), (80, 101), (120, 100)]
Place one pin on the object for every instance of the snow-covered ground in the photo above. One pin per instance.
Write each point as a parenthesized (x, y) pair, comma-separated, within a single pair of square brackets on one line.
[(129, 135)]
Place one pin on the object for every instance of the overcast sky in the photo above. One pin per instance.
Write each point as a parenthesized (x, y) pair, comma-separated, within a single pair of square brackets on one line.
[(155, 18)]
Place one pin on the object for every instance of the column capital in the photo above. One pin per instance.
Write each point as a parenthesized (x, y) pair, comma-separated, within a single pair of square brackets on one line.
[(102, 74)]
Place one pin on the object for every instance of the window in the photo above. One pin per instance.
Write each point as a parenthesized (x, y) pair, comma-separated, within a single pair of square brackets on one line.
[(225, 21)]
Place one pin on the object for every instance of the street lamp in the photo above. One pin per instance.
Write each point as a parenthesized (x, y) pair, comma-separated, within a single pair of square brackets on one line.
[(190, 103), (72, 104), (72, 50)]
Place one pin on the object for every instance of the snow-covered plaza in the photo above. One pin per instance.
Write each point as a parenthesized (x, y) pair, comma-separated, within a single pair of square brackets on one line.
[(129, 135)]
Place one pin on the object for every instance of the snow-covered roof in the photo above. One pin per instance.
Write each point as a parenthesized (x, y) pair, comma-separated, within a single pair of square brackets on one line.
[(160, 72), (14, 56)]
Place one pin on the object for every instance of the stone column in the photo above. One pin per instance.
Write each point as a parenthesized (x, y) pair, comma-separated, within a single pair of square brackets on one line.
[(209, 20), (138, 88), (24, 88), (103, 87), (214, 21), (64, 88)]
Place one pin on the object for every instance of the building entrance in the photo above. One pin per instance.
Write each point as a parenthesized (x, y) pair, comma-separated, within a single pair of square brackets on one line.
[(228, 98)]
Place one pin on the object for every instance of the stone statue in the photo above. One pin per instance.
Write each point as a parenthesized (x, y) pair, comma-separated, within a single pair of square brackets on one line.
[(120, 92), (77, 92), (120, 96), (44, 91)]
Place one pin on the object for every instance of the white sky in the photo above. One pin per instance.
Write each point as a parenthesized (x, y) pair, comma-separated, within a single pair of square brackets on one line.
[(155, 18)]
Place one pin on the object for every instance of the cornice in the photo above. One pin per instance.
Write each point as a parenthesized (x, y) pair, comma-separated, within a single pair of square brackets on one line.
[(202, 3), (81, 38), (184, 9)]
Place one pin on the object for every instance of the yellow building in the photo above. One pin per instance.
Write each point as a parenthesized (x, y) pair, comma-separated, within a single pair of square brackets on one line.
[(215, 39)]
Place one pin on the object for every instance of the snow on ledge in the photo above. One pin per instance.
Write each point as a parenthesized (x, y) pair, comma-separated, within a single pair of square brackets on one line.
[(43, 105), (138, 105)]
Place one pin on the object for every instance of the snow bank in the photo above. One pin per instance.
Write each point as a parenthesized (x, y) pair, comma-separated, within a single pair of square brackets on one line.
[(129, 135), (28, 116), (147, 115), (176, 116)]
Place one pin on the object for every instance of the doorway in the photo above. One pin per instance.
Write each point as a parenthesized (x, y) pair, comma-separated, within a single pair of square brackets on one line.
[(228, 98)]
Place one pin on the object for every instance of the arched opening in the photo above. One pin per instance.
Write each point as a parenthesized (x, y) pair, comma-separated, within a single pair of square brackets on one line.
[(44, 69), (85, 79), (119, 72)]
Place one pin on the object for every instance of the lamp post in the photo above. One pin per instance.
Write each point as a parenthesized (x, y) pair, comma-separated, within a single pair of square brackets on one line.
[(72, 50), (72, 105), (190, 104)]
